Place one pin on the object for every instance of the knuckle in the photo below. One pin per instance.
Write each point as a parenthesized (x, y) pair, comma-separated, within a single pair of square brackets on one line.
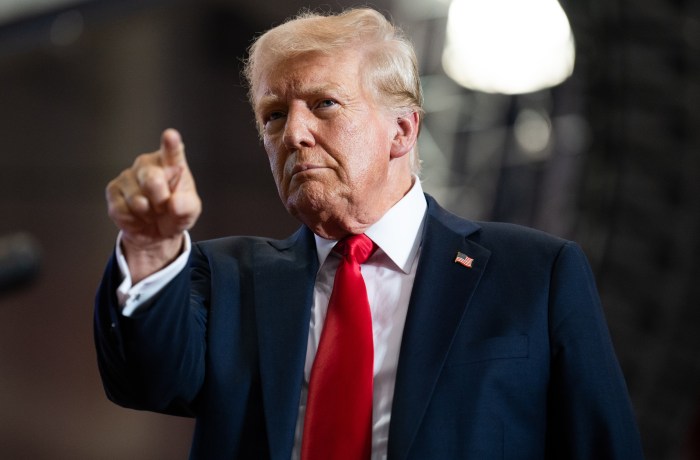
[(144, 159), (152, 182), (119, 184), (151, 176)]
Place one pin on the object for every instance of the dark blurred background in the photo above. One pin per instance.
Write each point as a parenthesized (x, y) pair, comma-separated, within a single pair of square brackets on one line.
[(609, 158)]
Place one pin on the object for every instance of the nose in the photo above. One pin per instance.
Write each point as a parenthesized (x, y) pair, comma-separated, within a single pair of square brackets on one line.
[(298, 128)]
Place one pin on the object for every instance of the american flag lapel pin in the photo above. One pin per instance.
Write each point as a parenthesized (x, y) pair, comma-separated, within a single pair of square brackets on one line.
[(464, 259)]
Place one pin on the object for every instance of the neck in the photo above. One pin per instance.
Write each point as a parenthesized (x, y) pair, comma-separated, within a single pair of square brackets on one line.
[(356, 218)]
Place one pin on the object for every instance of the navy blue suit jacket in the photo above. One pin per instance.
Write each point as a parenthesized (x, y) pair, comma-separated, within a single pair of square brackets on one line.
[(509, 359)]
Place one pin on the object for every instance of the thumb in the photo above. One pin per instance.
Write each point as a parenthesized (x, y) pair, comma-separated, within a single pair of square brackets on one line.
[(172, 150)]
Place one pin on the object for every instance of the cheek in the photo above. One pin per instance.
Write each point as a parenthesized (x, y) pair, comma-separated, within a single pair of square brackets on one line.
[(276, 163), (370, 153)]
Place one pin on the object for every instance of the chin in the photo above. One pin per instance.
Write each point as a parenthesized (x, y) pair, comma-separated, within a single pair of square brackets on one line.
[(311, 195), (306, 206), (311, 209)]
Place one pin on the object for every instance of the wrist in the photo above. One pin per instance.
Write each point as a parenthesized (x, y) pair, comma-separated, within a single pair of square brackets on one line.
[(145, 257)]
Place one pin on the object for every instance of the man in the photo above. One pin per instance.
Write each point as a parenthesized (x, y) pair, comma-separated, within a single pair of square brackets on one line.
[(486, 340)]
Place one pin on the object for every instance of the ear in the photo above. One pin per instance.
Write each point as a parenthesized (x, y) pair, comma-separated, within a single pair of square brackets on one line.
[(407, 126)]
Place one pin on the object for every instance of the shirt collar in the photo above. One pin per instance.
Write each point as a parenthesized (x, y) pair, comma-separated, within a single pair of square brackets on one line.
[(397, 233)]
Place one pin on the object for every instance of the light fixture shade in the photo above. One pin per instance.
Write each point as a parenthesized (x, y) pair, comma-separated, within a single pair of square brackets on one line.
[(508, 46)]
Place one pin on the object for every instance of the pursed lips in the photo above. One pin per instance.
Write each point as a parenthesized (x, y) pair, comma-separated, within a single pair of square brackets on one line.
[(300, 168)]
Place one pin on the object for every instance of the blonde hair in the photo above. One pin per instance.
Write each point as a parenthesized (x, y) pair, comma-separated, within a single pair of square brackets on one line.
[(392, 68)]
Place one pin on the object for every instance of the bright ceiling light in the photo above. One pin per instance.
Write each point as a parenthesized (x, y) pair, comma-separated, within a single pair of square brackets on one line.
[(508, 46)]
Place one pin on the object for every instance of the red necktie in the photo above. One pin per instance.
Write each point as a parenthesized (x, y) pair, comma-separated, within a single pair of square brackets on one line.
[(338, 420)]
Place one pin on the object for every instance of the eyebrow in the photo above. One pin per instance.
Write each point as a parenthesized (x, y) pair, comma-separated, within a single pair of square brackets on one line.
[(271, 98), (266, 101)]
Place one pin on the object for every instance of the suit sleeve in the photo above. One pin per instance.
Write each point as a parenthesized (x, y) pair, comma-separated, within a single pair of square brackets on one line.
[(153, 360), (589, 412)]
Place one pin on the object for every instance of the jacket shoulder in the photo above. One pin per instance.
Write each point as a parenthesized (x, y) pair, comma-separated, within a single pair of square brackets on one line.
[(507, 233), (244, 244), (488, 233)]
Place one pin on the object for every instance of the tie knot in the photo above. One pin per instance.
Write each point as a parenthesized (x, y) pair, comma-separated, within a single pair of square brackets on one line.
[(357, 247)]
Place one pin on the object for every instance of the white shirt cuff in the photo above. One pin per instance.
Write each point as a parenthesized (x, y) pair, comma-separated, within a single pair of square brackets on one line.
[(131, 297)]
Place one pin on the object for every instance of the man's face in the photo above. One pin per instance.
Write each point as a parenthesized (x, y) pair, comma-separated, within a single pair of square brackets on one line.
[(328, 142)]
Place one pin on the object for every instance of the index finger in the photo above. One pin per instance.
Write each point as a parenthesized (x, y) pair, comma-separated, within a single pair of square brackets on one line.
[(172, 149)]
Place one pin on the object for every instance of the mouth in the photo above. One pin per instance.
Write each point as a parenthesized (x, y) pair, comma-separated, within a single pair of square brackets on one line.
[(301, 168)]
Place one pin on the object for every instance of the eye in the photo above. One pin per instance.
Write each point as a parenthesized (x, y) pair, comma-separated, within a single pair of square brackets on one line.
[(276, 115), (326, 103), (269, 119)]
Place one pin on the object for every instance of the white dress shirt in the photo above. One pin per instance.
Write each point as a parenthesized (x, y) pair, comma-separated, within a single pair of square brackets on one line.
[(132, 296), (388, 275)]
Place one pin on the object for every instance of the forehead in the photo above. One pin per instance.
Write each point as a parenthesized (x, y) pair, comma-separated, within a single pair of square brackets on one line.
[(309, 74)]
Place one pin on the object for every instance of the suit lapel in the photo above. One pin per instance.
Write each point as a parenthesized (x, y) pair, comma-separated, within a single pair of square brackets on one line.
[(441, 294), (284, 276)]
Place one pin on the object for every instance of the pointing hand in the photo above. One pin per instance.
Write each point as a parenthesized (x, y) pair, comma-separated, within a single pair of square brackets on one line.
[(153, 202)]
